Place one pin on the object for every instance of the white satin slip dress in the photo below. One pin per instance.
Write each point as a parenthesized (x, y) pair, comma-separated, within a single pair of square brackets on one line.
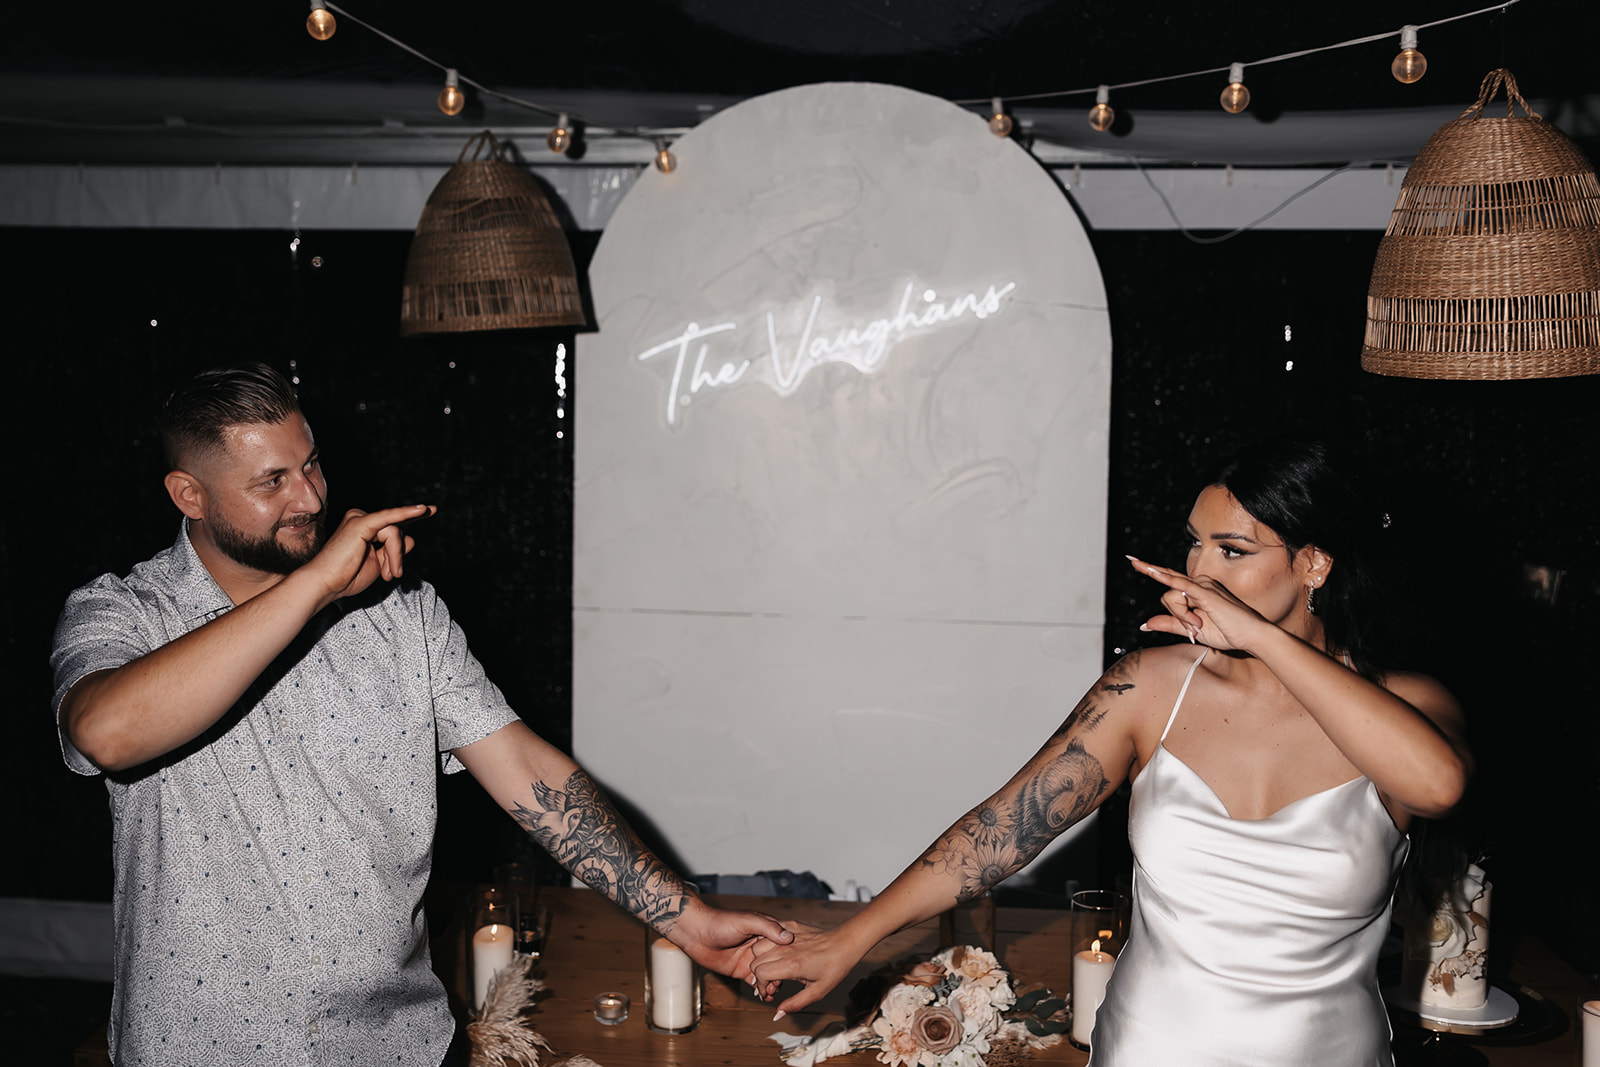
[(1252, 941)]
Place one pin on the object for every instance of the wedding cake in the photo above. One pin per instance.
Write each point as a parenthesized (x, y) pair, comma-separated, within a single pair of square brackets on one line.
[(1447, 953)]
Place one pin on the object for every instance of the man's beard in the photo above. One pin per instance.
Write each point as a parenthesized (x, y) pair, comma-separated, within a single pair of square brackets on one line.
[(266, 553)]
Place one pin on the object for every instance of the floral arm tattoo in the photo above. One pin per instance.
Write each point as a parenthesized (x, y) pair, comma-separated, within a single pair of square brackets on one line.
[(997, 838), (579, 827)]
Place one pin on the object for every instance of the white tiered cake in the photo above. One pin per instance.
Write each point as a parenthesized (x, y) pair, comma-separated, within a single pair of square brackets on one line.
[(1446, 957)]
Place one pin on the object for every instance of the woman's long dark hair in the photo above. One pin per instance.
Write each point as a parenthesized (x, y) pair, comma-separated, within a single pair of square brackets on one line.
[(1309, 494)]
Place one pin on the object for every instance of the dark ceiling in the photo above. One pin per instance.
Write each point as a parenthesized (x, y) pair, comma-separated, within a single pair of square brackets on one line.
[(725, 50), (950, 48)]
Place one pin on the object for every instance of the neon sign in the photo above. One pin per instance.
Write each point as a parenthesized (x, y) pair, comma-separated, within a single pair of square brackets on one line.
[(782, 366)]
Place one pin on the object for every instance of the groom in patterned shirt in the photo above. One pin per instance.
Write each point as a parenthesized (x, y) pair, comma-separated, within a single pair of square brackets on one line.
[(269, 705)]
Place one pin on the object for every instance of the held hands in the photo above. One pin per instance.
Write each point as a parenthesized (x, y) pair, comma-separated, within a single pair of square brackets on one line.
[(365, 547), (1202, 610), (726, 941), (818, 958)]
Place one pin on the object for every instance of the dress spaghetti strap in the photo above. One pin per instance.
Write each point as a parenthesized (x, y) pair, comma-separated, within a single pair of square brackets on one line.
[(1179, 702)]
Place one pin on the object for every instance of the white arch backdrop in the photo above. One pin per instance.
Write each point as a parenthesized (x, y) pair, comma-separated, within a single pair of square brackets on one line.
[(840, 481)]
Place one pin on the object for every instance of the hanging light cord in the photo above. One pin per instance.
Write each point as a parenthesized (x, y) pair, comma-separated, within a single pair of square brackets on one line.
[(1254, 63), (1253, 223), (626, 131)]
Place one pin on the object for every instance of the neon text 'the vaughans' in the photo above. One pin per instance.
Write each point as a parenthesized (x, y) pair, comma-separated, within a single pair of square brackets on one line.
[(864, 346)]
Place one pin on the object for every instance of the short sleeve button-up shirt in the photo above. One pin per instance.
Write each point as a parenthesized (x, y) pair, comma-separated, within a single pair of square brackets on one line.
[(269, 875)]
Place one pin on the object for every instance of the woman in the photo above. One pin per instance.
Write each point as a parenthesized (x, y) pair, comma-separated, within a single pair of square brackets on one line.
[(1276, 764)]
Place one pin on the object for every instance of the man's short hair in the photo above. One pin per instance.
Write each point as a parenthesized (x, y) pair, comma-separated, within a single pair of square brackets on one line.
[(195, 418)]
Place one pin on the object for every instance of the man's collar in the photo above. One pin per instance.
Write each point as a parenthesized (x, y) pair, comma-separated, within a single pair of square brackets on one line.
[(196, 592)]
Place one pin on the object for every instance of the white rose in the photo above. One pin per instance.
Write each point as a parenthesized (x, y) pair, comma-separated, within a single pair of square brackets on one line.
[(902, 1002), (977, 1009)]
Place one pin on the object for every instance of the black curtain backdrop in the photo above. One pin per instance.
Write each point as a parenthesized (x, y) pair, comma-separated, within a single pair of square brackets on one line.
[(1214, 345)]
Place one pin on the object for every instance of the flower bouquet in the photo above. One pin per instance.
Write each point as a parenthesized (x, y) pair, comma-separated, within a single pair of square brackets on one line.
[(953, 1010)]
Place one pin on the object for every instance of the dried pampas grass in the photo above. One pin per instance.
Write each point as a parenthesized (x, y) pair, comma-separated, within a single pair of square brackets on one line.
[(501, 1035)]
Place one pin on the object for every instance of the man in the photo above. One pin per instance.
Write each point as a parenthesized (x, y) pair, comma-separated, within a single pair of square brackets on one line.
[(268, 715)]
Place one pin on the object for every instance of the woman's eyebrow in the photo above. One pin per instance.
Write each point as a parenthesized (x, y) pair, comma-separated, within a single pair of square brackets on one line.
[(1226, 536)]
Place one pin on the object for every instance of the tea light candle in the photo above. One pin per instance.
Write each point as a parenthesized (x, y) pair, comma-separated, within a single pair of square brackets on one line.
[(1091, 970), (491, 950), (611, 1008), (672, 996)]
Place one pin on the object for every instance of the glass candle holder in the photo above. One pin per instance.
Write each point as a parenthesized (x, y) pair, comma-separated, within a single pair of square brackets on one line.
[(1099, 930), (611, 1009), (534, 928), (971, 922), (491, 937), (671, 987), (518, 880)]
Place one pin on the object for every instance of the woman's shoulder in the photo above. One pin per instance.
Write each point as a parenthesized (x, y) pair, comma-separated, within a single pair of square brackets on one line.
[(1425, 693), (1402, 682), (1141, 688), (1162, 659), (1156, 671)]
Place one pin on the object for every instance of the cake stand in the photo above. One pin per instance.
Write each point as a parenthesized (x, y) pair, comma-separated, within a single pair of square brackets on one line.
[(1437, 1048)]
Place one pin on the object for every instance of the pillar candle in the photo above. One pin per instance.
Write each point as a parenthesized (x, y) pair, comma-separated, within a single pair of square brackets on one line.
[(672, 996), (491, 950), (1091, 970), (1591, 1033)]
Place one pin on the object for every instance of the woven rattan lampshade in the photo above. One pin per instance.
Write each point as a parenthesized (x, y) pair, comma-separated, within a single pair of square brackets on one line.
[(1490, 268), (489, 252)]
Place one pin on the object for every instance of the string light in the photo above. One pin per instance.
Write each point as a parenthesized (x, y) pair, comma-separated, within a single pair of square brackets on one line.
[(560, 138), (1410, 65), (1495, 9), (666, 162), (452, 77), (451, 98), (999, 122), (1235, 98), (322, 12), (321, 23), (1101, 116)]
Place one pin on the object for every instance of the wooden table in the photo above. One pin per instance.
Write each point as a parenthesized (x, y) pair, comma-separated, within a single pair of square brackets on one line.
[(593, 948), (1546, 1033)]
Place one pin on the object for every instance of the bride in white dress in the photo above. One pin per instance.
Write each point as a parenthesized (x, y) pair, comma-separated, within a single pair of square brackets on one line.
[(1276, 763)]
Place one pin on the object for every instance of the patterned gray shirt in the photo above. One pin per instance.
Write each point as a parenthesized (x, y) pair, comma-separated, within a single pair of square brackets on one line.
[(269, 874)]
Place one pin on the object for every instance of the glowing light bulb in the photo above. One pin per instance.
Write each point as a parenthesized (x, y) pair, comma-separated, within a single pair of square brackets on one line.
[(451, 98), (999, 122), (1101, 116), (1410, 65), (560, 138), (666, 162), (1235, 98), (321, 23)]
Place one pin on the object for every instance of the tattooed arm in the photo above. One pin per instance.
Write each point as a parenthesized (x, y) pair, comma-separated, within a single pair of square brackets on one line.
[(1081, 764), (562, 809)]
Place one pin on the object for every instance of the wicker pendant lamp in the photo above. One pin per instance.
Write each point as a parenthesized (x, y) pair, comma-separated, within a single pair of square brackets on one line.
[(1490, 268), (489, 252)]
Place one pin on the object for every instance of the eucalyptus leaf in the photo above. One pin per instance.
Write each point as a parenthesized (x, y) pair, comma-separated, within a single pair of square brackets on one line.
[(1028, 1000)]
